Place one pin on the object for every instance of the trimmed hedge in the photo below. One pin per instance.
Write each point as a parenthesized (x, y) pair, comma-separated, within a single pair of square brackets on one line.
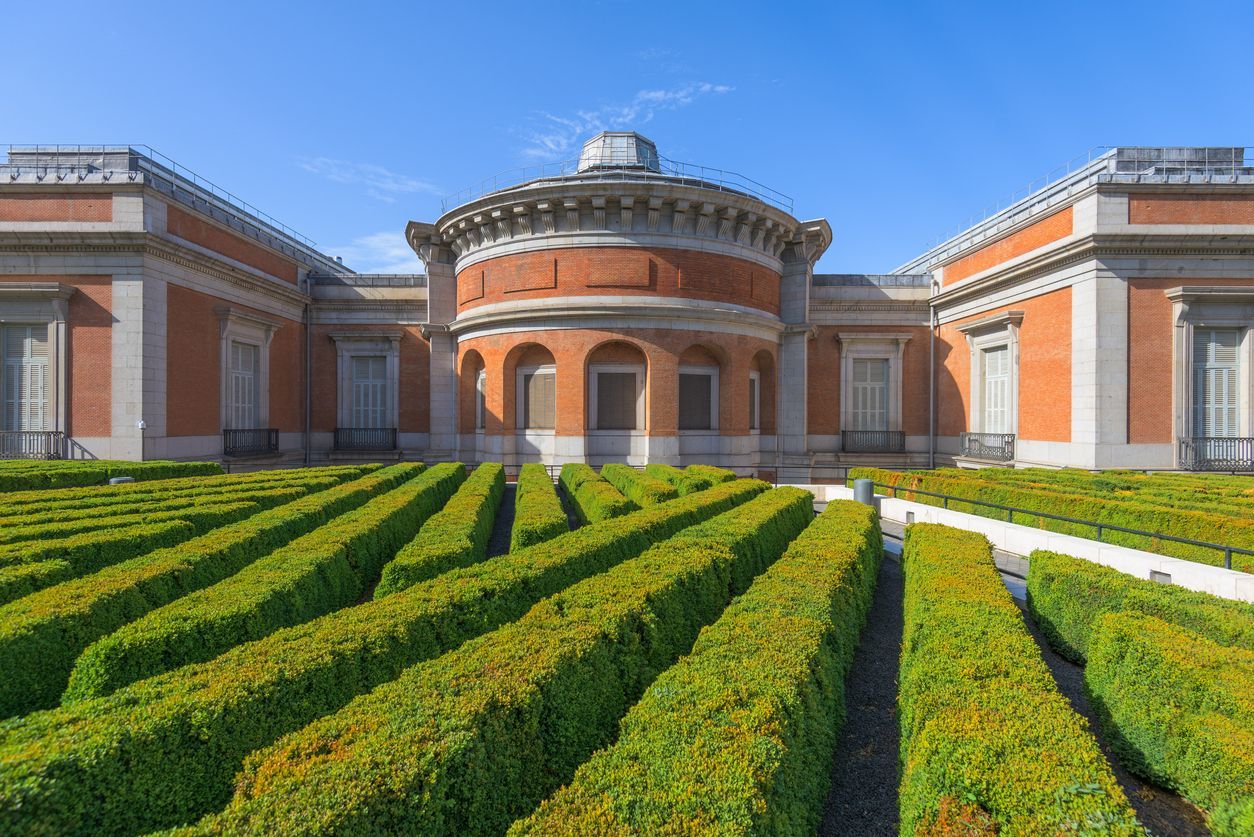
[(738, 736), (685, 482), (982, 720), (718, 475), (593, 498), (41, 502), (538, 512), (1067, 596), (639, 488), (63, 473), (1179, 710), (1215, 527), (42, 634), (455, 536), (165, 750), (317, 573), (467, 742)]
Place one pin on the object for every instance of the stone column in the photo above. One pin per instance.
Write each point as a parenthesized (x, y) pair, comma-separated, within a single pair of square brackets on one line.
[(799, 257), (443, 444)]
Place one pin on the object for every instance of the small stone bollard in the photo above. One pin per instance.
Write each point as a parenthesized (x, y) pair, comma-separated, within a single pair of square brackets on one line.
[(120, 480), (864, 492)]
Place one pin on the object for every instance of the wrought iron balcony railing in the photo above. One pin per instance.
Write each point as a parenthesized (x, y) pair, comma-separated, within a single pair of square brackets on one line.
[(995, 447), (872, 441), (365, 438), (32, 444), (1217, 453), (250, 442)]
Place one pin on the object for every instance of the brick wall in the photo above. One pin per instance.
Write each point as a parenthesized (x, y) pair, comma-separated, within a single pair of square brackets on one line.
[(64, 207), (187, 226), (1191, 209), (618, 271), (1042, 232)]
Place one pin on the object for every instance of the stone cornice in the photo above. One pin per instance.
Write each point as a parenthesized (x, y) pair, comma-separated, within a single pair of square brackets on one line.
[(36, 290)]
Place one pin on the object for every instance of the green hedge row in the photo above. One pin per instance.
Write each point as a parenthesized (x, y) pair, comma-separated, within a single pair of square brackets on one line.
[(538, 513), (982, 720), (639, 488), (163, 751), (737, 737), (322, 571), (685, 482), (41, 635), (465, 743), (718, 475), (594, 499), (44, 502), (1179, 710), (1067, 596), (1210, 527), (456, 536), (68, 473)]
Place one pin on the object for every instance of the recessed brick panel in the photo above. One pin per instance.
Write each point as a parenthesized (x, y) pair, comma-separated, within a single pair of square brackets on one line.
[(41, 207), (512, 277), (1191, 209), (470, 285), (191, 228), (1047, 230)]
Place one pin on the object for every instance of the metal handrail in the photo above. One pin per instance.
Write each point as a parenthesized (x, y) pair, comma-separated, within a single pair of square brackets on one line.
[(1101, 527)]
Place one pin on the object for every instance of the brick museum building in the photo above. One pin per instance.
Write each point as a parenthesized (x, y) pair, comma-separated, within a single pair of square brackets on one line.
[(626, 307)]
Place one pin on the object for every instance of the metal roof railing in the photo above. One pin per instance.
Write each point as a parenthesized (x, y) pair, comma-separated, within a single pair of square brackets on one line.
[(674, 171)]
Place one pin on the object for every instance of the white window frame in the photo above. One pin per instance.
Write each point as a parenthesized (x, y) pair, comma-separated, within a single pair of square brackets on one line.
[(1218, 307), (233, 405), (236, 326), (481, 400), (712, 372), (595, 369), (349, 345), (520, 412), (45, 303), (866, 345), (992, 333), (755, 403)]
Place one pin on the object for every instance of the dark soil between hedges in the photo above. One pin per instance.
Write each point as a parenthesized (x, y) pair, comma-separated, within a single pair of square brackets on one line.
[(498, 542), (863, 796)]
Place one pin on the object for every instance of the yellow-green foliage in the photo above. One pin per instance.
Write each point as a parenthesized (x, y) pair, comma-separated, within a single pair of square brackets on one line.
[(42, 634), (593, 498), (982, 720), (60, 473), (1212, 527), (538, 513), (1178, 709), (641, 489), (466, 742), (164, 751), (685, 482), (1067, 595), (455, 536), (737, 737), (316, 573), (717, 475)]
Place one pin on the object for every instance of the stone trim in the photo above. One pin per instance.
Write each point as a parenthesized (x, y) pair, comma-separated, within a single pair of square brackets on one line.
[(350, 344), (236, 326), (890, 346), (45, 302)]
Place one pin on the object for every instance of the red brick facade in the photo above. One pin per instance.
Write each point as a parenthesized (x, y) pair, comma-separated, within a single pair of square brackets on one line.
[(1190, 209), (66, 207), (211, 237), (1044, 231)]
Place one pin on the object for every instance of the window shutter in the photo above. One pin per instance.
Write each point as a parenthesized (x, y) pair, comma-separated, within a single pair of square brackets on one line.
[(1216, 411), (869, 392), (25, 372), (370, 395), (539, 401), (997, 390), (753, 403), (695, 394), (616, 400)]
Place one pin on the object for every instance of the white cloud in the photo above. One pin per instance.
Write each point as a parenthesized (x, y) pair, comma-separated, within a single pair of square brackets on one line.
[(380, 183), (381, 252), (556, 137)]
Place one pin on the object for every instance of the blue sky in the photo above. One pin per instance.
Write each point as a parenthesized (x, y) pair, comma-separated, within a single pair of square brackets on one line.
[(897, 123)]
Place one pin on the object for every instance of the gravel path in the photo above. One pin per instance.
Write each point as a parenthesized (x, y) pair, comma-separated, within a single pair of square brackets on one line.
[(498, 543), (863, 795)]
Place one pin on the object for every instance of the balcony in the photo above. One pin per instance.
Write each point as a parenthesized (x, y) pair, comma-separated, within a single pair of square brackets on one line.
[(251, 442), (365, 438), (32, 444), (1215, 453), (991, 447), (872, 441)]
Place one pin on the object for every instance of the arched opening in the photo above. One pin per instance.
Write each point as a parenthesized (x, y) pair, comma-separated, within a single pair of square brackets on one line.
[(616, 374), (762, 393), (472, 393), (529, 379)]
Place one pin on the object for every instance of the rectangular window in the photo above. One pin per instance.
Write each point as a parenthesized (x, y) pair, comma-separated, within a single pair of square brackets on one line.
[(1216, 410), (616, 400), (370, 392), (245, 380), (997, 390), (481, 411), (869, 391), (696, 408), (539, 400), (754, 406), (25, 371)]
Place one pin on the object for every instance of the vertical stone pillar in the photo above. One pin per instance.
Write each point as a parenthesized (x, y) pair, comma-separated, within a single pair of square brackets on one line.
[(799, 257), (1099, 372), (443, 440)]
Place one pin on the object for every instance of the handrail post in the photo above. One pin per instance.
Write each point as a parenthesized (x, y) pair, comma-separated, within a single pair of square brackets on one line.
[(1228, 558)]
